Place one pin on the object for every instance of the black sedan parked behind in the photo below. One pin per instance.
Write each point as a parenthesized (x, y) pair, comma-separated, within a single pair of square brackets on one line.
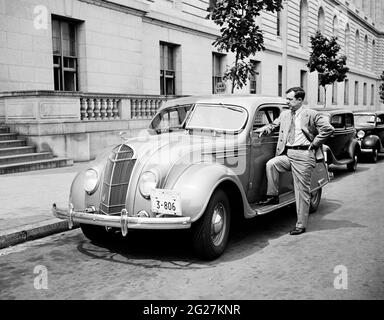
[(370, 132)]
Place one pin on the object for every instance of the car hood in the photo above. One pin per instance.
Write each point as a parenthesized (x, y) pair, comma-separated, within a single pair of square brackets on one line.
[(364, 127)]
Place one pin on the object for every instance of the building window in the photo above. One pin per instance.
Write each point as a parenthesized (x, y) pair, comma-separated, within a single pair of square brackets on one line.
[(304, 82), (278, 23), (280, 81), (357, 48), (356, 100), (303, 22), (372, 94), (212, 4), (217, 72), (167, 69), (346, 91), (335, 27), (321, 20), (347, 41), (64, 45), (320, 92), (255, 78), (334, 93), (365, 94), (366, 52), (373, 55)]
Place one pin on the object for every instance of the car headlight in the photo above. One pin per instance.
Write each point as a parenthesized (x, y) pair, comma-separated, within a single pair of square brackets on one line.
[(91, 180), (360, 134), (148, 182)]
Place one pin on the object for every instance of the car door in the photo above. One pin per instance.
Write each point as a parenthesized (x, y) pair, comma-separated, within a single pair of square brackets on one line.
[(337, 142), (262, 149), (379, 130)]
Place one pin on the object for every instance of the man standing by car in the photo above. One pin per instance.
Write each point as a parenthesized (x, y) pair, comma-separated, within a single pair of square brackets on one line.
[(302, 132)]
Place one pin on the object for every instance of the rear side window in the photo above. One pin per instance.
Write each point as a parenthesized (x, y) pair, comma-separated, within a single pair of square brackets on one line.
[(348, 120), (265, 115), (337, 121), (380, 120)]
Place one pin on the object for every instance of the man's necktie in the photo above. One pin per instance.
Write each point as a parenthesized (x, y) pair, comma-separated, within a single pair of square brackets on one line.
[(291, 132)]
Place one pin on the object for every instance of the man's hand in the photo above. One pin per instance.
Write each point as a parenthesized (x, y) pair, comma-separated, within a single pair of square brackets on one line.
[(266, 131)]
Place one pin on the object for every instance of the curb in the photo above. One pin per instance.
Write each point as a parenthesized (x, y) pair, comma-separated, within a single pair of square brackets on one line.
[(33, 231)]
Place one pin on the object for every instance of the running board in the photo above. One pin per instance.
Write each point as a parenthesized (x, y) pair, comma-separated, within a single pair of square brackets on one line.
[(284, 200)]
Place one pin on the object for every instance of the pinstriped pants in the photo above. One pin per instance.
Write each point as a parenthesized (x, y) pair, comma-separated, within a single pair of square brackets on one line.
[(301, 163)]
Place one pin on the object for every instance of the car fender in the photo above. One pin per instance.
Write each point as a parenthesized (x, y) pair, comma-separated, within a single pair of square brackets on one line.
[(77, 193), (197, 184), (370, 142), (353, 147)]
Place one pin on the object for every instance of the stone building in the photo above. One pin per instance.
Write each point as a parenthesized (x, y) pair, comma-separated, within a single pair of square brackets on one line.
[(75, 72)]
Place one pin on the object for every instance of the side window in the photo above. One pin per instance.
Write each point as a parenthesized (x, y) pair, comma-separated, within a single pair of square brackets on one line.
[(348, 120), (380, 120), (337, 121), (265, 116)]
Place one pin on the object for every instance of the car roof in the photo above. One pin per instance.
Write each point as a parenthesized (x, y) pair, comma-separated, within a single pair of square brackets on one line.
[(367, 112), (332, 111), (248, 101)]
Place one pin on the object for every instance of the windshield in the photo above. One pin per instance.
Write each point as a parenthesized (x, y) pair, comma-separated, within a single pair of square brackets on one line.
[(217, 117), (364, 119), (170, 119)]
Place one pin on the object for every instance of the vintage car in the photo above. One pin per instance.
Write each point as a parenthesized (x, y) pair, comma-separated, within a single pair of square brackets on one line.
[(200, 164), (342, 147), (370, 132)]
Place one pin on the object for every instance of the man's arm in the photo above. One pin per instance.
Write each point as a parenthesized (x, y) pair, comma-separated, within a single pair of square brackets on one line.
[(324, 127), (269, 128)]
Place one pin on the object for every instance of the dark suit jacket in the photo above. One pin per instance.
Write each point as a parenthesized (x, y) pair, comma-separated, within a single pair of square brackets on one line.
[(315, 126)]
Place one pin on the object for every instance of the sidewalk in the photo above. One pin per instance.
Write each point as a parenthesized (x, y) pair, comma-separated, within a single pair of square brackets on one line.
[(26, 200)]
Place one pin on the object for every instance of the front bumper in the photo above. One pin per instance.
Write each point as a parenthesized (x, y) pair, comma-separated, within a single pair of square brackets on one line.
[(123, 221), (366, 150)]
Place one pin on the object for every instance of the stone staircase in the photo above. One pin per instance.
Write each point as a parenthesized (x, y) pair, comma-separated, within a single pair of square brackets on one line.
[(17, 156)]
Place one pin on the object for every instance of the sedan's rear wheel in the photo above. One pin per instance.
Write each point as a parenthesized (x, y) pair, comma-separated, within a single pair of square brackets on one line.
[(352, 166), (210, 232)]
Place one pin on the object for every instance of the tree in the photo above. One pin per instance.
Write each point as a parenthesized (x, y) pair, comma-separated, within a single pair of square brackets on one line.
[(240, 34), (325, 60), (381, 88)]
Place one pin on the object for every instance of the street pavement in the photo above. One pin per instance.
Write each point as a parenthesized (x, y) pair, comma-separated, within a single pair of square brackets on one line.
[(26, 200), (341, 256)]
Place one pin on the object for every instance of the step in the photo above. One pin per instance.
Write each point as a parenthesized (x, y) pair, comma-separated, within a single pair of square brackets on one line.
[(35, 165), (25, 157), (16, 150), (284, 200), (4, 129), (12, 143), (8, 136)]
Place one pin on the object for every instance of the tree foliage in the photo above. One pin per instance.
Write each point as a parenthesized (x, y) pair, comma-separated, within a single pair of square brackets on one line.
[(325, 59), (240, 34)]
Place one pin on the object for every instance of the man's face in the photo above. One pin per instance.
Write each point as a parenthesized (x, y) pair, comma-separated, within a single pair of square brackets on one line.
[(292, 102)]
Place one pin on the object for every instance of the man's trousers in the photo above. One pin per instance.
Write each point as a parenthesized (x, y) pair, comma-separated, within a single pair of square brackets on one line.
[(302, 164)]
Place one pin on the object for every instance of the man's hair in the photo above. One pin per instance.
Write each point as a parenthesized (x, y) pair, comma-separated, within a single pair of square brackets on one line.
[(299, 92)]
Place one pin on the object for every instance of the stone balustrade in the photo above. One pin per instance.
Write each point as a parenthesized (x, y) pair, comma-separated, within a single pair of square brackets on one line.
[(99, 108)]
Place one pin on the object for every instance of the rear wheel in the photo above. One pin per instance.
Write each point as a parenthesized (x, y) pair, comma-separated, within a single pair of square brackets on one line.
[(210, 232), (315, 200), (352, 166)]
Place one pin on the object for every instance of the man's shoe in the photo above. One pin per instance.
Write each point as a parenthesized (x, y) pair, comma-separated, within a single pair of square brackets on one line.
[(296, 231), (270, 200)]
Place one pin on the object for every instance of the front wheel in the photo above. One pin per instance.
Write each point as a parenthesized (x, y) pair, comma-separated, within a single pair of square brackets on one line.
[(352, 166), (374, 155), (315, 200), (211, 231)]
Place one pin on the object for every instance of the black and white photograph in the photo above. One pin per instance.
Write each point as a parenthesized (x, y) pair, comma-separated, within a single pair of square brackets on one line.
[(188, 156)]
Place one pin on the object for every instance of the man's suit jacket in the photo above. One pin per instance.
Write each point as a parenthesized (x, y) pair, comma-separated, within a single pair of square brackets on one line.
[(315, 126)]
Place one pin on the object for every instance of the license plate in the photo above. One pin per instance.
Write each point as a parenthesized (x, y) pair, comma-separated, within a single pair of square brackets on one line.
[(166, 202)]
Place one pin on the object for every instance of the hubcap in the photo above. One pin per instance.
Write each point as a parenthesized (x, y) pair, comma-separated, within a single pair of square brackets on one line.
[(218, 224)]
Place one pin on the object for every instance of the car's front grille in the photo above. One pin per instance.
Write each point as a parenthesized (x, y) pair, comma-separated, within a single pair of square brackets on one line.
[(116, 179)]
